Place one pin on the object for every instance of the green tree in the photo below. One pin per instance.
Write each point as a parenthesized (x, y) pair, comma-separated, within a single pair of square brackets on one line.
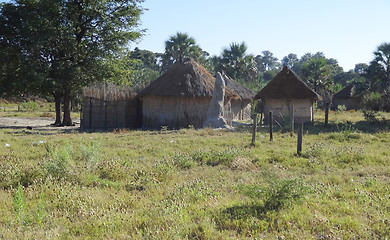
[(319, 76), (178, 47), (238, 64), (382, 62), (266, 61), (290, 60), (70, 42)]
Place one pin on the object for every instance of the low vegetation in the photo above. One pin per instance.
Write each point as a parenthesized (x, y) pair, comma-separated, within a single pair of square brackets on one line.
[(198, 184)]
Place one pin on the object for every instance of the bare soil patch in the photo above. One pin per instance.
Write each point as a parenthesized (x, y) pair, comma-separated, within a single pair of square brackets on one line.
[(37, 123)]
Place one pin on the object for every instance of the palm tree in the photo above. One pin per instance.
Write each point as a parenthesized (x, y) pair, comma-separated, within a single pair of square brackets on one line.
[(180, 46), (382, 60), (237, 63)]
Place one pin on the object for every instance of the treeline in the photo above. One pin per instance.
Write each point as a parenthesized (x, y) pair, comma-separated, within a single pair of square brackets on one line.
[(324, 75)]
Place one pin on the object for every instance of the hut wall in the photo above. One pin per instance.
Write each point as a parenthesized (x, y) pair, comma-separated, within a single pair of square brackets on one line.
[(281, 109), (349, 103), (173, 112), (241, 109)]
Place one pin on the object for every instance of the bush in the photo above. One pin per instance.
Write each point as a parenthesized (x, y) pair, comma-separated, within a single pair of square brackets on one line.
[(30, 106), (59, 163)]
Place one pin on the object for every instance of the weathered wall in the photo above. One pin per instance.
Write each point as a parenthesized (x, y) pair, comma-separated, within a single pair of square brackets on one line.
[(281, 109), (349, 103), (241, 109), (173, 112)]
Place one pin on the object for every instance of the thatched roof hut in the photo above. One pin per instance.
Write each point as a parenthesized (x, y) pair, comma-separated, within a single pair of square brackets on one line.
[(180, 97), (285, 90), (240, 108), (347, 98), (287, 85)]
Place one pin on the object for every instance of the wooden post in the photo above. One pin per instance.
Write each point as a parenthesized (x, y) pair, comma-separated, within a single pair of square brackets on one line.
[(326, 113), (271, 123), (254, 129), (90, 112), (299, 144), (292, 120)]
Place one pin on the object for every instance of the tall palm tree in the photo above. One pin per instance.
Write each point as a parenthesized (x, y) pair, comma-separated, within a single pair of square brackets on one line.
[(382, 59), (180, 46), (237, 63)]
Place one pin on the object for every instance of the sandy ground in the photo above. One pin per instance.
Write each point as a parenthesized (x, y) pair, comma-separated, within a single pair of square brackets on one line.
[(38, 124)]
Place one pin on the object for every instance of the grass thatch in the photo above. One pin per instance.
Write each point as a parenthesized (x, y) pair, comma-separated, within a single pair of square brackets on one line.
[(108, 92), (287, 85), (185, 79)]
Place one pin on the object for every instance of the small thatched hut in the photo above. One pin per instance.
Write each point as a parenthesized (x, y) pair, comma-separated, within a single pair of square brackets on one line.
[(285, 90), (180, 97), (347, 98), (240, 108)]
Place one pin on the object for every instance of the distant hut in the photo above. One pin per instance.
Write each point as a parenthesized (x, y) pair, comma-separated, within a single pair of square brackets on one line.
[(180, 97), (241, 107), (285, 90), (347, 97)]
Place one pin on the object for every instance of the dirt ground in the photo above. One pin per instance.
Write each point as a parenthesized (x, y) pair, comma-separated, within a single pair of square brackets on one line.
[(37, 124)]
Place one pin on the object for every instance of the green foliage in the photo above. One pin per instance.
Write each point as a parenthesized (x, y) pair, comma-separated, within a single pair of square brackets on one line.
[(341, 108), (373, 116), (30, 106), (59, 162), (177, 48), (91, 154), (238, 64), (59, 47), (19, 204)]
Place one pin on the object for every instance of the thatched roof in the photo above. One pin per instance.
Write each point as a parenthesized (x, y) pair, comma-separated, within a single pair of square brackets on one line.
[(287, 85), (346, 92), (243, 92), (185, 79)]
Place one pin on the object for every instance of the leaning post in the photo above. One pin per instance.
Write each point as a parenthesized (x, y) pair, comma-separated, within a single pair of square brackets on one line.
[(254, 129), (271, 123), (292, 120), (299, 144)]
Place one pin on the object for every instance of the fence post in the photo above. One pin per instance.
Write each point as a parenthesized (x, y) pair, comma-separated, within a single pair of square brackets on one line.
[(254, 129), (299, 144), (271, 123), (292, 120), (90, 112)]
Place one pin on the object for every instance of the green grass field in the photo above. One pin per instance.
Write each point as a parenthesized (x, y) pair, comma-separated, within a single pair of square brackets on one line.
[(198, 184)]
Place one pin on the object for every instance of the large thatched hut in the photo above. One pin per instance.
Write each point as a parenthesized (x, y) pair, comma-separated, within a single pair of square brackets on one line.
[(347, 97), (180, 97), (285, 90), (241, 107)]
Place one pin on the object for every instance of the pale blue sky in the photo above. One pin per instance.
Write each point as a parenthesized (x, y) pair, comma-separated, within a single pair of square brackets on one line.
[(347, 30)]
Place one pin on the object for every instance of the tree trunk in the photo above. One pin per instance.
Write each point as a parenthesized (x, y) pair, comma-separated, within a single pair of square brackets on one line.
[(67, 121), (57, 99)]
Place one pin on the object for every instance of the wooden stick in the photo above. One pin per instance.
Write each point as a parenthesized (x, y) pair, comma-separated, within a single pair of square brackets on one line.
[(299, 144), (254, 129), (271, 122)]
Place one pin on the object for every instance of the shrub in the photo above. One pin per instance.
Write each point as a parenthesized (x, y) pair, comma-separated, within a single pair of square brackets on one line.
[(19, 204), (91, 154), (59, 163), (30, 106)]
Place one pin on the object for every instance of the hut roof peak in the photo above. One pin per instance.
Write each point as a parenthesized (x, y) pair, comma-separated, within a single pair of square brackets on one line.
[(287, 85), (185, 79)]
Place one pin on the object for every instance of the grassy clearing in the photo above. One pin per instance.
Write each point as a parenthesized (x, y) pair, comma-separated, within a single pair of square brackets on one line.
[(198, 184)]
